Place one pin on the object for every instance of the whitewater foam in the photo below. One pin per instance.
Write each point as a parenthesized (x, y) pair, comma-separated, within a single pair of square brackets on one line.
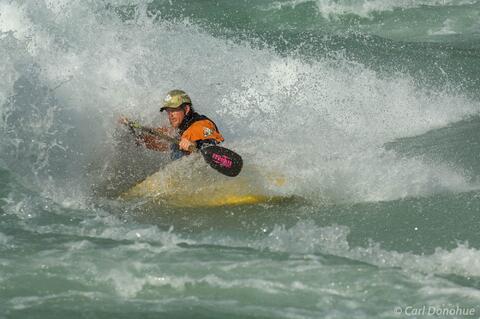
[(13, 19), (365, 8), (4, 239), (446, 29), (307, 239), (305, 116), (72, 67)]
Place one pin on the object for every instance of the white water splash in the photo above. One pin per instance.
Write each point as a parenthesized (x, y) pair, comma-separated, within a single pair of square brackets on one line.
[(321, 123)]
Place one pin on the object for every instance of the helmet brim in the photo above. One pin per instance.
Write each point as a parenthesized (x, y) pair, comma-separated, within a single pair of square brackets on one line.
[(164, 108), (179, 107)]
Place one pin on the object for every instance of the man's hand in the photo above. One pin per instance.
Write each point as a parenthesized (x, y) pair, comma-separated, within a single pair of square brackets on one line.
[(123, 120), (186, 145)]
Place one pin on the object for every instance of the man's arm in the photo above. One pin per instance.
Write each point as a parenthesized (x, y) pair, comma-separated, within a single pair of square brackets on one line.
[(148, 140), (154, 143)]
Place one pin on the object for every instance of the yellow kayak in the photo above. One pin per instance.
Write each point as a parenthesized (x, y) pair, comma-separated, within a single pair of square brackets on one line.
[(191, 183)]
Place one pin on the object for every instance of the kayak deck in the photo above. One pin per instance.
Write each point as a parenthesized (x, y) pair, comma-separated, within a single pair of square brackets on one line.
[(200, 187)]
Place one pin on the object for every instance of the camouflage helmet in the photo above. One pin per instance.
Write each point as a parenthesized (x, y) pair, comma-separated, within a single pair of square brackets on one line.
[(175, 99)]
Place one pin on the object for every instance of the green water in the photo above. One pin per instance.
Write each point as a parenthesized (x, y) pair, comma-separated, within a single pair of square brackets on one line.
[(368, 109)]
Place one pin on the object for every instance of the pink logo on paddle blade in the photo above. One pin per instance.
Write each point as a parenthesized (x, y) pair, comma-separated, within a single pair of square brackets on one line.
[(223, 161)]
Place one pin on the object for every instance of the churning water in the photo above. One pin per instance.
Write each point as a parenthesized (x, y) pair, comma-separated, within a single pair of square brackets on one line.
[(369, 110)]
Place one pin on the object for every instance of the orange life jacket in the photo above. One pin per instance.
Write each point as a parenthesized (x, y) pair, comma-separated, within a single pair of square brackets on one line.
[(195, 128), (202, 130), (198, 129)]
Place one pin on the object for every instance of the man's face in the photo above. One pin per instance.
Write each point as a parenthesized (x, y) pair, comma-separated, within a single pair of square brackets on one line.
[(176, 116)]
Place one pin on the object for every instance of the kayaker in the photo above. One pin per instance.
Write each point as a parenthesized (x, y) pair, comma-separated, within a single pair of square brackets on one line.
[(192, 129)]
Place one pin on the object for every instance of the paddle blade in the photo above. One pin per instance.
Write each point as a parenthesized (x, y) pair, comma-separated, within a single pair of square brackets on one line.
[(223, 160)]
